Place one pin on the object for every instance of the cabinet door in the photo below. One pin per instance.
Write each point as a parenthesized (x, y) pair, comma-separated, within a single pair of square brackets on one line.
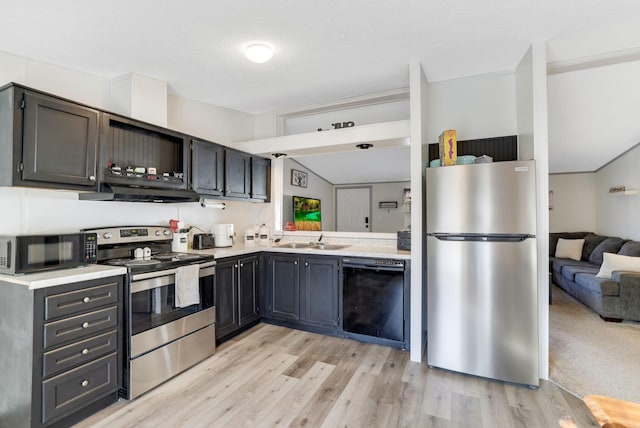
[(321, 291), (237, 174), (227, 319), (283, 287), (260, 178), (248, 289), (207, 168), (60, 141)]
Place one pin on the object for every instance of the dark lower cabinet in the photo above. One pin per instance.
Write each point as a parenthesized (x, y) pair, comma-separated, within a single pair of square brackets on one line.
[(304, 290), (283, 287), (236, 295), (69, 339)]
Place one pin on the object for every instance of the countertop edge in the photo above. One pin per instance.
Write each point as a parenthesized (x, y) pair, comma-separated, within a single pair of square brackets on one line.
[(64, 276)]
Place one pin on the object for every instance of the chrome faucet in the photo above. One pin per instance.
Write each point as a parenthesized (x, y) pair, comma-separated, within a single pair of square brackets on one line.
[(318, 242)]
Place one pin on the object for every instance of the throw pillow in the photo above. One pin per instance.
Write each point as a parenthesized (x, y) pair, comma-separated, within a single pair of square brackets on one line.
[(616, 262), (569, 248)]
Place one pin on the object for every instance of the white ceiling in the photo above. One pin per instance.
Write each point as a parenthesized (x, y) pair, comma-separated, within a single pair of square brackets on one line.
[(325, 50), (373, 165)]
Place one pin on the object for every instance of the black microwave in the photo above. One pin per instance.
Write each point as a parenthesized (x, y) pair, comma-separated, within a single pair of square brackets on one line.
[(34, 253)]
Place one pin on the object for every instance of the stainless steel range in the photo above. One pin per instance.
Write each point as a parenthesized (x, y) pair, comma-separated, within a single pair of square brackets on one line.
[(169, 309)]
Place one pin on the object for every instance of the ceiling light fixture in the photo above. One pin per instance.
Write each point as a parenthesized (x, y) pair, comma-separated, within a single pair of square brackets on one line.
[(258, 52), (364, 146)]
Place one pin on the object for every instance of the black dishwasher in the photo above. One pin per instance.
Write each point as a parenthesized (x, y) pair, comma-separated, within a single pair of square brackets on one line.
[(374, 300)]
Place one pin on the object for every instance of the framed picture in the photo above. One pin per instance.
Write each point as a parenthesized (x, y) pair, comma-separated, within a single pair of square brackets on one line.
[(298, 178), (307, 213)]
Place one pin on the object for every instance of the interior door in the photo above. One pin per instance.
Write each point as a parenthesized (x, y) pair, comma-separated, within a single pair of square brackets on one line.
[(353, 209)]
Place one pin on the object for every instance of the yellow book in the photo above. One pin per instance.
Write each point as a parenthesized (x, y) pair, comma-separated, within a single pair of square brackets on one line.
[(448, 147)]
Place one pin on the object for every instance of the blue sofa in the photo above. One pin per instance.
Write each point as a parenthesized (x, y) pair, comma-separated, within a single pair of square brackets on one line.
[(614, 299)]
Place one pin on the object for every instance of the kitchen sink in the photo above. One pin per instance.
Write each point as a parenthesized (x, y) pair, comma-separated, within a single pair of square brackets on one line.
[(294, 245), (321, 246)]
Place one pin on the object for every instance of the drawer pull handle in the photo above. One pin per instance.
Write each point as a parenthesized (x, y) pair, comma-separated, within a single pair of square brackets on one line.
[(85, 382), (85, 351), (86, 300), (85, 324)]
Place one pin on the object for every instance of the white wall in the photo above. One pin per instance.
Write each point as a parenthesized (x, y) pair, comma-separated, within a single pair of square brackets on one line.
[(388, 220), (209, 122), (28, 210), (573, 201), (317, 187), (618, 215), (75, 85), (531, 100), (476, 107)]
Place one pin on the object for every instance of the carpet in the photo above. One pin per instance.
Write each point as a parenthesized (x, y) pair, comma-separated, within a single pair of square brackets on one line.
[(590, 356)]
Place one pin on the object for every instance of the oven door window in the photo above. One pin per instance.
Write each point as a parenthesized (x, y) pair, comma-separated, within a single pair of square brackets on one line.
[(156, 306)]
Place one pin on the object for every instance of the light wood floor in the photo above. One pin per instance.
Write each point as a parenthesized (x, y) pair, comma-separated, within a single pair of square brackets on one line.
[(274, 376)]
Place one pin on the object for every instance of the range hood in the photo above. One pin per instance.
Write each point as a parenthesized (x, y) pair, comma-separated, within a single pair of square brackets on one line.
[(112, 192)]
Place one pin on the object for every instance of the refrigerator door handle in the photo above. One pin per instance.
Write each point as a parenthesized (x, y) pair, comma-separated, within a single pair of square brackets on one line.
[(480, 237)]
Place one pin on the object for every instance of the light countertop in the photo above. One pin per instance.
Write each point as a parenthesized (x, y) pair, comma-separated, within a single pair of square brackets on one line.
[(88, 272), (63, 276), (350, 251)]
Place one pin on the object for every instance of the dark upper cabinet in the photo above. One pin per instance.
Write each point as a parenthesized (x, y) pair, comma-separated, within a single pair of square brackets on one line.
[(207, 168), (50, 142), (246, 176), (237, 174), (236, 295), (127, 142), (260, 178), (47, 141)]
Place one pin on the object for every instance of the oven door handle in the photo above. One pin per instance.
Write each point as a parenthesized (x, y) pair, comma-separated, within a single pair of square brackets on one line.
[(151, 283)]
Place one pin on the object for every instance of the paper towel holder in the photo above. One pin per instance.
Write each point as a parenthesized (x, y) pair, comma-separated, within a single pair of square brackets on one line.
[(212, 203)]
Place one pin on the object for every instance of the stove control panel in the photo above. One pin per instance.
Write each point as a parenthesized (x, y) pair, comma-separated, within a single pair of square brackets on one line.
[(124, 235)]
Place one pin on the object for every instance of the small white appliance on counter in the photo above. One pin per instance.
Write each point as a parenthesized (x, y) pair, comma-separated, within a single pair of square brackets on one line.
[(223, 234)]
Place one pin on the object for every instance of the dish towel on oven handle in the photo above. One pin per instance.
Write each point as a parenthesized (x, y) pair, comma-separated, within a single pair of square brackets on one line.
[(187, 286)]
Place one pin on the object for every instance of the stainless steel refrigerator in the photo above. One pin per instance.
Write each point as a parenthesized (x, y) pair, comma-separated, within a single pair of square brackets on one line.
[(482, 298)]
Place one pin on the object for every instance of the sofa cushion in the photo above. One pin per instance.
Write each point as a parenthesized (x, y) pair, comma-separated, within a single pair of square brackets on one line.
[(602, 286), (609, 245), (630, 248), (553, 239), (571, 271), (616, 262), (591, 241), (558, 264), (569, 248)]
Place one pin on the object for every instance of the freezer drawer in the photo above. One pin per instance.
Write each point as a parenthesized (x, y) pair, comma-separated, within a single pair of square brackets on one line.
[(482, 308), (484, 198)]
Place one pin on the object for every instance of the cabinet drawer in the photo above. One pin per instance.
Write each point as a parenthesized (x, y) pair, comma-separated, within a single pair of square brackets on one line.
[(72, 302), (78, 387), (61, 359), (80, 326)]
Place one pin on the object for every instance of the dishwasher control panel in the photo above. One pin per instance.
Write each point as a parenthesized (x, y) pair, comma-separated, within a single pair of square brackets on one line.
[(373, 263)]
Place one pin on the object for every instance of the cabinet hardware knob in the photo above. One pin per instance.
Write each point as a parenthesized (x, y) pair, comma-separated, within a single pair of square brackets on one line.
[(85, 382), (85, 324), (241, 264), (295, 263), (235, 266), (92, 178), (86, 299), (306, 263), (85, 351)]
